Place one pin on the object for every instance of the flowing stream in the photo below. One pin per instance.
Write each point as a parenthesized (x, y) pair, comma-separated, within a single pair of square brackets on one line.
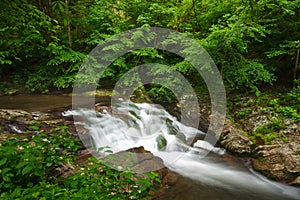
[(207, 168), (207, 172)]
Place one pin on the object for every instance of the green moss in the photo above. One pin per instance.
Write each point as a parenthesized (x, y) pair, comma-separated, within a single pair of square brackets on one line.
[(243, 112), (260, 158), (161, 142), (273, 126), (259, 138)]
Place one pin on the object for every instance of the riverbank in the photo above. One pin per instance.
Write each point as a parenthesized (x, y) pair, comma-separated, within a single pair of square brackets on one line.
[(199, 178), (263, 130), (266, 130), (42, 157), (274, 153)]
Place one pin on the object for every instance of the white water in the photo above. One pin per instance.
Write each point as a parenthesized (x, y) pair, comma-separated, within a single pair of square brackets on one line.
[(15, 129), (133, 125)]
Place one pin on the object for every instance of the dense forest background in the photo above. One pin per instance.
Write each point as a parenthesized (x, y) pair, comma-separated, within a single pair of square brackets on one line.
[(254, 43)]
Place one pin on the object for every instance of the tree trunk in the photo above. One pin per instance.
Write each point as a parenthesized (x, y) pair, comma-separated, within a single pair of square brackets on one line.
[(68, 23)]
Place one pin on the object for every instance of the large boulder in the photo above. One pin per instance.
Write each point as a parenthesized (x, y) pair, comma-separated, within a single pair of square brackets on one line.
[(280, 161), (139, 161), (18, 121), (235, 140), (25, 117)]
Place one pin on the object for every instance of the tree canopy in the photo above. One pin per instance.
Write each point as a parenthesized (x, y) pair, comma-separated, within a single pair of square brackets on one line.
[(253, 42)]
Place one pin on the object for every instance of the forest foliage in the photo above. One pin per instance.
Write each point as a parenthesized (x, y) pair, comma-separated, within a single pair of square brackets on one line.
[(253, 42), (45, 166)]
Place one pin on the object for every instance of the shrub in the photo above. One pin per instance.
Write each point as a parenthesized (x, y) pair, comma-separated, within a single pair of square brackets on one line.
[(28, 165)]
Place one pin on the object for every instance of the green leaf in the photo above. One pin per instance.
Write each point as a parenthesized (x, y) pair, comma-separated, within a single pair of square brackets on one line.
[(3, 161), (27, 169), (21, 164), (35, 128), (6, 176), (5, 170), (36, 194)]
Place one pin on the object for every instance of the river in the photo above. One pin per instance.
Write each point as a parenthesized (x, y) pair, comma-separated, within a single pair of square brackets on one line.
[(205, 174)]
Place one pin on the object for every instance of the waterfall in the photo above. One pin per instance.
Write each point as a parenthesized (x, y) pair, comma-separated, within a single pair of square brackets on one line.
[(151, 126)]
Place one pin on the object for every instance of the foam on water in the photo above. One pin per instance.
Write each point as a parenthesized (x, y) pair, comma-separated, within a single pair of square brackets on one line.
[(148, 125)]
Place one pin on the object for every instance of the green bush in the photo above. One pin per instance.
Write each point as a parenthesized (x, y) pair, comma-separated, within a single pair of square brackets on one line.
[(28, 166)]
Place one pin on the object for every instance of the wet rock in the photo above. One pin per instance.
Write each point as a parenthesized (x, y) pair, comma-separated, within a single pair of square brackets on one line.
[(3, 135), (19, 121), (235, 140), (11, 92), (170, 178), (103, 108), (98, 93), (54, 121), (140, 161), (41, 116), (183, 189), (151, 162), (15, 115), (16, 127), (83, 156), (24, 117), (135, 159), (147, 165), (48, 117), (296, 181), (280, 161), (14, 121), (279, 158)]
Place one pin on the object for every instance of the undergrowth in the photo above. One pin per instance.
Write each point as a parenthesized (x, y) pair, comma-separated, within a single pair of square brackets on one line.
[(277, 106), (30, 168)]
